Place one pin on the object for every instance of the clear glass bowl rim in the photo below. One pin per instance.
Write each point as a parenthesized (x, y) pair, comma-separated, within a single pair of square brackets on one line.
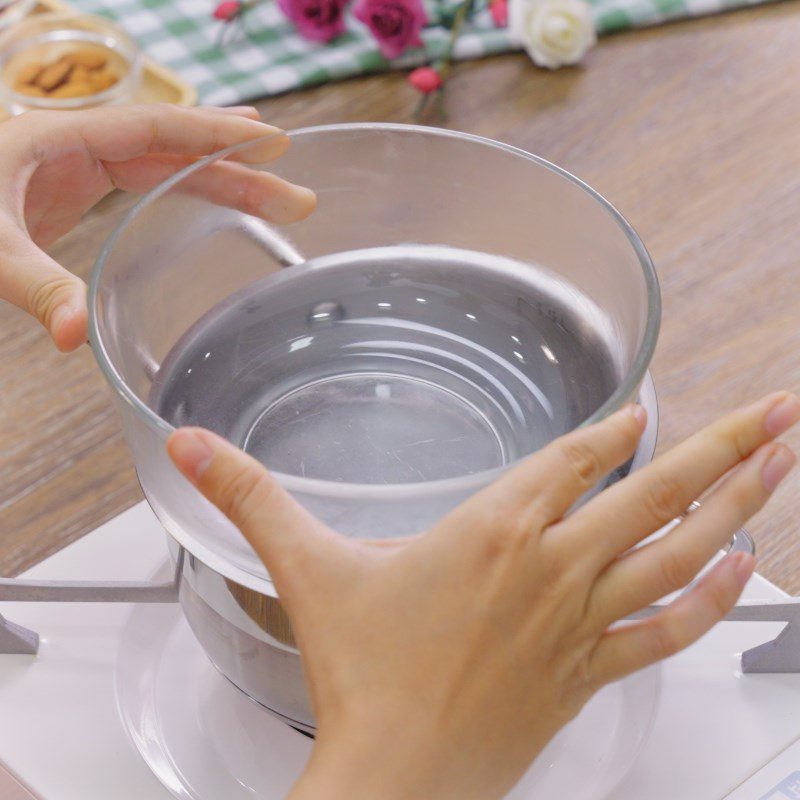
[(393, 492)]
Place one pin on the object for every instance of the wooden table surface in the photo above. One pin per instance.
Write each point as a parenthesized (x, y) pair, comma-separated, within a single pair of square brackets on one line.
[(692, 130)]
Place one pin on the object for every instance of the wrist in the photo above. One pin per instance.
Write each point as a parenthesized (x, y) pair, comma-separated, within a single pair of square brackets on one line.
[(367, 764), (403, 760)]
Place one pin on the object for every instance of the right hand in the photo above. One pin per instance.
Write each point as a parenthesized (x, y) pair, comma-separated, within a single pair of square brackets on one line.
[(440, 665)]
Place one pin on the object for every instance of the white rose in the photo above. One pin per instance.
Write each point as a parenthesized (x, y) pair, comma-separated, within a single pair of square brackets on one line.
[(554, 32)]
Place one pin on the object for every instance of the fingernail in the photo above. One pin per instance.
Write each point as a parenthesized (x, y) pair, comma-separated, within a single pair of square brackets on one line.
[(640, 415), (782, 415), (306, 199), (777, 467), (293, 204), (267, 148), (743, 566), (60, 315), (238, 109), (190, 452)]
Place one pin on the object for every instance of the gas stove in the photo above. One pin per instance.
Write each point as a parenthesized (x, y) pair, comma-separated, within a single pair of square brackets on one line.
[(122, 703)]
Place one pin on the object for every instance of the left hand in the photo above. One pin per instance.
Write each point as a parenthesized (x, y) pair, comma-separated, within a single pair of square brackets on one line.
[(55, 165)]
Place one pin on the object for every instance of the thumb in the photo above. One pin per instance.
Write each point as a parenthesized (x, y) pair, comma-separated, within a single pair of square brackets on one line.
[(273, 522), (32, 280)]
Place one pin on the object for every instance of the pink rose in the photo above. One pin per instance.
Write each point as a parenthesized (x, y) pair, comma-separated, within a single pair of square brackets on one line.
[(228, 10), (317, 20), (499, 12), (395, 24)]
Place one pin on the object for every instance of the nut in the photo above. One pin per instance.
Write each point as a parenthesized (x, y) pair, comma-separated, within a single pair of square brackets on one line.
[(73, 89), (54, 75), (32, 91), (78, 73), (29, 73), (88, 57), (100, 81)]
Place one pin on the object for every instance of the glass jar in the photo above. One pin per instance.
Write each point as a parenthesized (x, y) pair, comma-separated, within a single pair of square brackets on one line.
[(67, 61), (12, 11)]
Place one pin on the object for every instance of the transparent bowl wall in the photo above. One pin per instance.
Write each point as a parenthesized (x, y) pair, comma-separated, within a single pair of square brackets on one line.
[(11, 11), (178, 254)]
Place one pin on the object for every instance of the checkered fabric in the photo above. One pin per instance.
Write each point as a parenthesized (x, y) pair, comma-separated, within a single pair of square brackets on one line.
[(270, 57)]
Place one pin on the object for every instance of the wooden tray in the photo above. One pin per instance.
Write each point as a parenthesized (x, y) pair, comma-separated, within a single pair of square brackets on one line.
[(159, 84)]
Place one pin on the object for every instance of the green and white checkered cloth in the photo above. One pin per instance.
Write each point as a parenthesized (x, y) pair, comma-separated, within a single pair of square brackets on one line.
[(271, 57)]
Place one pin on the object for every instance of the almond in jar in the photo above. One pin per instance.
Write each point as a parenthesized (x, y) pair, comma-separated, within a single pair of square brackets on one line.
[(67, 61)]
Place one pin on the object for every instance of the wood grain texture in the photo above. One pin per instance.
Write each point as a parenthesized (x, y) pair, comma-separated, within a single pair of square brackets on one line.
[(690, 129)]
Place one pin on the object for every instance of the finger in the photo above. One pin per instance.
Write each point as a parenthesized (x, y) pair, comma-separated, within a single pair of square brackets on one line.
[(181, 131), (236, 186), (552, 479), (276, 525), (545, 485), (126, 132), (631, 647), (30, 279), (567, 468), (650, 498), (670, 563)]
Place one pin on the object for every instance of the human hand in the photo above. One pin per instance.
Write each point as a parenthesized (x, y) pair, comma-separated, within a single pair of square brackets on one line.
[(440, 665), (55, 165)]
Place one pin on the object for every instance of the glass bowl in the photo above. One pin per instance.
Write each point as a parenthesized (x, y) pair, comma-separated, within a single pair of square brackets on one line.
[(67, 61), (12, 11), (450, 306)]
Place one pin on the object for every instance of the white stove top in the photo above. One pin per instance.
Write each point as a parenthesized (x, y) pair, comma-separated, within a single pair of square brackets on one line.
[(61, 736)]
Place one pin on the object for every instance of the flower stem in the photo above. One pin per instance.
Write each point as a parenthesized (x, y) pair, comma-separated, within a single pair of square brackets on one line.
[(227, 27), (444, 64), (440, 104), (458, 22), (423, 101)]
